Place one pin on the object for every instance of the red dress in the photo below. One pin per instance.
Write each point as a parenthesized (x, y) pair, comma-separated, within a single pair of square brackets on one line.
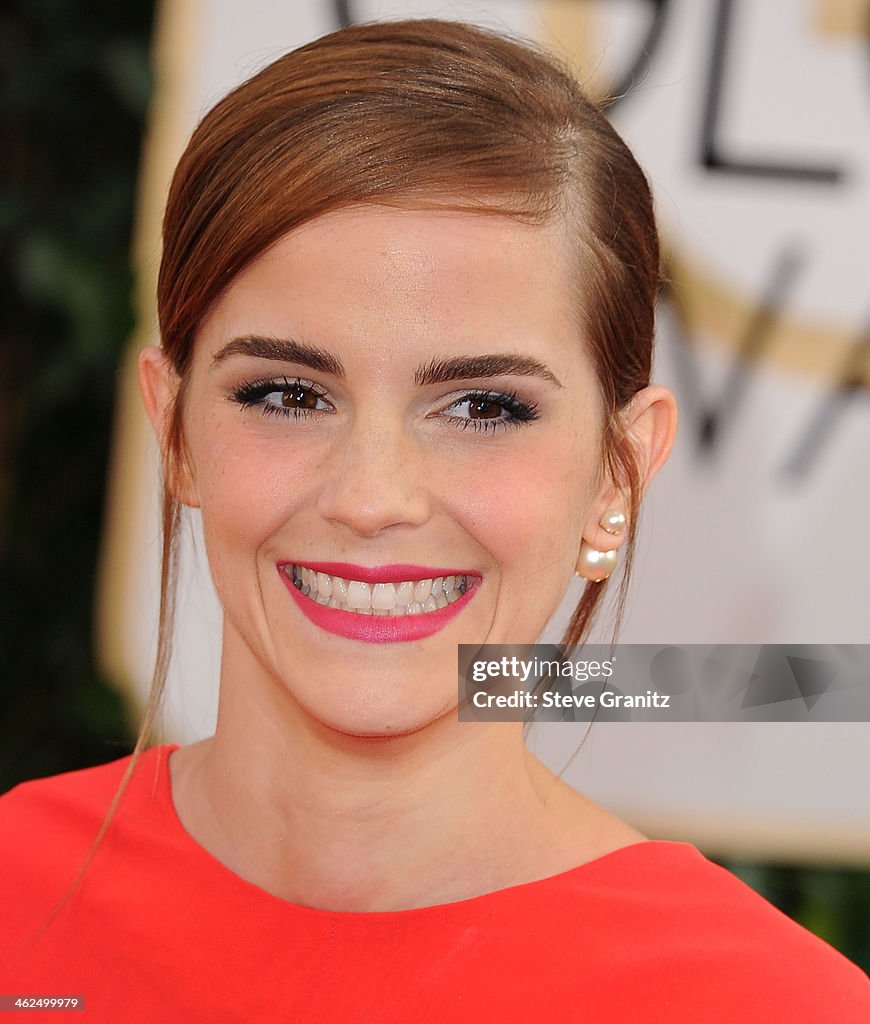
[(160, 931)]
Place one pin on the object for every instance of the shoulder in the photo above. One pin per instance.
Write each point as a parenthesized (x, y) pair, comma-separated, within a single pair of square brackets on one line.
[(62, 805), (660, 920), (51, 812), (75, 787), (48, 826)]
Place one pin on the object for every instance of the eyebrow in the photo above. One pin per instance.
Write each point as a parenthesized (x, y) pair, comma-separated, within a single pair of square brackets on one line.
[(436, 371), (440, 371), (284, 350)]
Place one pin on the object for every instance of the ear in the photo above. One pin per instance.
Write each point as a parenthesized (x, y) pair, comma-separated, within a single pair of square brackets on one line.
[(159, 384), (650, 422)]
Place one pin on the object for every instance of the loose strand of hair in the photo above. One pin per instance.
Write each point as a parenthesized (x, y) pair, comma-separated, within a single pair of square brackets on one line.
[(171, 518)]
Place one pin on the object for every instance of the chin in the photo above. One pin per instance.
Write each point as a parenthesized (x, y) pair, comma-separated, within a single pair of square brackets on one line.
[(385, 722)]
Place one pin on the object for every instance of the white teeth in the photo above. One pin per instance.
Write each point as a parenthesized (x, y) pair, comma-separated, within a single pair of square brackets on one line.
[(359, 595), (411, 597), (383, 597)]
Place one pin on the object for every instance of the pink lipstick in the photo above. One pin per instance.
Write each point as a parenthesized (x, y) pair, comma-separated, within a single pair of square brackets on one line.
[(378, 604)]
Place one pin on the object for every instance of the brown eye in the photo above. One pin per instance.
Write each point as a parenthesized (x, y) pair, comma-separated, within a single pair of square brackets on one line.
[(299, 397), (485, 409), (490, 411), (282, 396)]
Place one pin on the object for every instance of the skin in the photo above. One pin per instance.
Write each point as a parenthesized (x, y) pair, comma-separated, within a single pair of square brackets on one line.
[(339, 776)]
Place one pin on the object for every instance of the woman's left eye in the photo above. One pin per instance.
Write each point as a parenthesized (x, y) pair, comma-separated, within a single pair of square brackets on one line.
[(282, 397), (491, 410)]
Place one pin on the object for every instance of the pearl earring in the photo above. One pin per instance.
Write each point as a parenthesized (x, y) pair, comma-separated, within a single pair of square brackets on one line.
[(594, 565), (613, 521)]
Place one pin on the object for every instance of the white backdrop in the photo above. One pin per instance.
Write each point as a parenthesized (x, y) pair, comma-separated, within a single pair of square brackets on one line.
[(753, 122)]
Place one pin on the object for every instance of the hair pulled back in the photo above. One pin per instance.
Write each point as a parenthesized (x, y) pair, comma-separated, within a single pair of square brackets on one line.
[(418, 114)]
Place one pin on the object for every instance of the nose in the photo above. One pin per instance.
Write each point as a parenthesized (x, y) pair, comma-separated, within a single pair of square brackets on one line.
[(375, 478)]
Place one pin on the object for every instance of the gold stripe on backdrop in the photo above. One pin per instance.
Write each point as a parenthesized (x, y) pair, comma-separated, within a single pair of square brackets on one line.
[(842, 17), (713, 311), (569, 30), (743, 836), (131, 483)]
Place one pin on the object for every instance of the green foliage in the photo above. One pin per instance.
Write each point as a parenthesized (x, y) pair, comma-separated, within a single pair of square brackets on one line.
[(75, 87), (834, 903)]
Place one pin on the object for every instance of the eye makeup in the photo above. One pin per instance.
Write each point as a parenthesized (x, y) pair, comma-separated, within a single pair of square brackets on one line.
[(296, 397), (492, 410)]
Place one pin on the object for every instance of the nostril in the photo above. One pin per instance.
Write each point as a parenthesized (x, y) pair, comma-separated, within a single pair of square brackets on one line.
[(376, 483)]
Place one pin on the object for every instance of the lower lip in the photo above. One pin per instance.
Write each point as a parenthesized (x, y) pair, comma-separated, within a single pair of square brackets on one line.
[(376, 629)]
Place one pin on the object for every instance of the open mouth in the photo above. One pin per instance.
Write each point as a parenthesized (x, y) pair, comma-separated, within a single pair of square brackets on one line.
[(403, 597), (389, 604)]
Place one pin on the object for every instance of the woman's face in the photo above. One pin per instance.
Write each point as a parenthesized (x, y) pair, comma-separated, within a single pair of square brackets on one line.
[(390, 401)]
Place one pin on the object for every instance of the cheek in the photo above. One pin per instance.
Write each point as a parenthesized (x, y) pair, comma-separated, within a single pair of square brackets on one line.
[(528, 510), (247, 491)]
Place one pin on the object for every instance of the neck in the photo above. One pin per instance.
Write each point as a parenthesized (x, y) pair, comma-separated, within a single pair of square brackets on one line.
[(352, 823)]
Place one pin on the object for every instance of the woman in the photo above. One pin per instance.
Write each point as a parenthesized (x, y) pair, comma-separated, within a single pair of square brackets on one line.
[(406, 309)]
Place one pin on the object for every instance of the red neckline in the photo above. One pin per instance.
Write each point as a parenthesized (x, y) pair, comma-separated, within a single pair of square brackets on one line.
[(512, 893)]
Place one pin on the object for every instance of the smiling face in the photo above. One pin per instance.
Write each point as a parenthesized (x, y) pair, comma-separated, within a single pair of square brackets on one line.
[(391, 408)]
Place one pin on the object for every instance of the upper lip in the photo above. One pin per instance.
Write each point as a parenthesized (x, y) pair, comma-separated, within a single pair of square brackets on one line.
[(394, 573)]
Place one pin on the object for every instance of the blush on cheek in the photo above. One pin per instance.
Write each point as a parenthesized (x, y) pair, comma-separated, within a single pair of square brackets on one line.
[(246, 494), (515, 514)]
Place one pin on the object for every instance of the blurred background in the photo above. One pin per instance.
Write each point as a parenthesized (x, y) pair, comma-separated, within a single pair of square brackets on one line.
[(753, 121)]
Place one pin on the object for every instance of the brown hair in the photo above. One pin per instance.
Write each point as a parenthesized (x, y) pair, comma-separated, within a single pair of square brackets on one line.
[(413, 114), (417, 114)]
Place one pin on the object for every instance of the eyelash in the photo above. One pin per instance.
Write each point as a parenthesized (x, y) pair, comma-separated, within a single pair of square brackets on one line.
[(521, 411), (252, 395)]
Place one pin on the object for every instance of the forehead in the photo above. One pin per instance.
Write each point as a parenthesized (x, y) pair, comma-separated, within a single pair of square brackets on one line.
[(396, 283)]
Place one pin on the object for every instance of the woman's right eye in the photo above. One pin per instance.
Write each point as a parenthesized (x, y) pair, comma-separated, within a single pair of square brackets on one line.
[(282, 397)]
